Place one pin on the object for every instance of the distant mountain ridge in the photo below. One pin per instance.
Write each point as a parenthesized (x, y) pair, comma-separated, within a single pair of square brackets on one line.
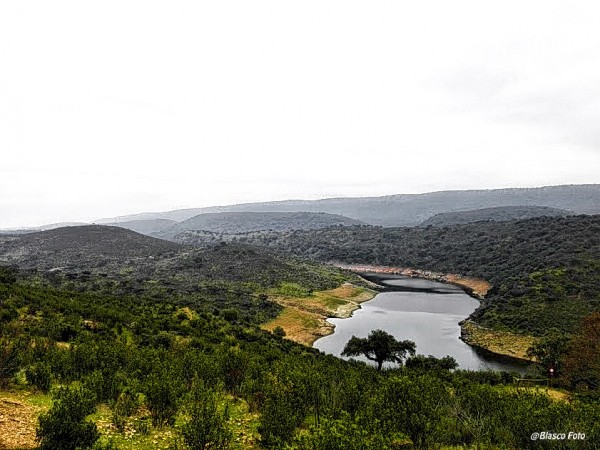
[(78, 245), (409, 209), (148, 227), (243, 222), (50, 226), (496, 214)]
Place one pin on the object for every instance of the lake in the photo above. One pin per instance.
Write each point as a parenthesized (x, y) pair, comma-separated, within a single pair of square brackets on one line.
[(423, 311)]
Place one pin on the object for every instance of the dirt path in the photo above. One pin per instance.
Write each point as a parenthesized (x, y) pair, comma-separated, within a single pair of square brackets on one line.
[(18, 420)]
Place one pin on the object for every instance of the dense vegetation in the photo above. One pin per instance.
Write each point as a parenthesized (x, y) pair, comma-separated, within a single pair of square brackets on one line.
[(545, 271), (114, 261), (161, 364), (497, 214), (167, 337), (242, 222)]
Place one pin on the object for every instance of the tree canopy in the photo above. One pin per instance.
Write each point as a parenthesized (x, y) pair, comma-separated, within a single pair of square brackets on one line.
[(380, 347), (582, 362)]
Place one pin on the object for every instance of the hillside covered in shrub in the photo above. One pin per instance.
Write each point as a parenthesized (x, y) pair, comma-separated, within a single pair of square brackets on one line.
[(165, 370), (544, 271)]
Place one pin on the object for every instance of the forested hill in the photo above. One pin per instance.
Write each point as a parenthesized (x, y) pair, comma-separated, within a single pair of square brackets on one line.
[(544, 271), (115, 261), (79, 245), (240, 222), (499, 214)]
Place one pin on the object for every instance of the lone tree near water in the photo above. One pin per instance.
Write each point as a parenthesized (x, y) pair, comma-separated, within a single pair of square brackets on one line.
[(379, 347)]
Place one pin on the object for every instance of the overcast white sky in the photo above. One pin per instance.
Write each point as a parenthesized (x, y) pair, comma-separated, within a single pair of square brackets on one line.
[(114, 107)]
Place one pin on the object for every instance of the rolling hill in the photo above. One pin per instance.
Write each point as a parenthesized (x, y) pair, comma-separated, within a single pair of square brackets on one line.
[(80, 246), (410, 209), (150, 227), (243, 222), (545, 271), (497, 214), (116, 261)]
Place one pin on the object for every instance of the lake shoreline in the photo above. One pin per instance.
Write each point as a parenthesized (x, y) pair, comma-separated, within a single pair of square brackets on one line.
[(304, 319), (474, 287), (497, 344)]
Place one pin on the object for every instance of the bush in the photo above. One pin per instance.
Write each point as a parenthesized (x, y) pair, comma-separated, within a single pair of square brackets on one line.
[(413, 406), (142, 426), (283, 410), (234, 365), (342, 434), (8, 275), (11, 355), (39, 376), (230, 314), (431, 363), (279, 332), (64, 426), (162, 398), (207, 427), (127, 403)]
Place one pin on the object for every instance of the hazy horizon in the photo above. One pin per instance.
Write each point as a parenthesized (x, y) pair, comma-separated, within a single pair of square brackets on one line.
[(122, 107), (98, 219)]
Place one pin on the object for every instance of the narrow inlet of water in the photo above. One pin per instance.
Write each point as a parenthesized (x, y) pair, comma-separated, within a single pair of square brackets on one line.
[(423, 311)]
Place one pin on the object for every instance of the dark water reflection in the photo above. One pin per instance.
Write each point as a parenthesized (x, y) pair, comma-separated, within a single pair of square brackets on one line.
[(427, 313)]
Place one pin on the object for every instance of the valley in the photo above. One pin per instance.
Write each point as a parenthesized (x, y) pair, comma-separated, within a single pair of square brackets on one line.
[(137, 324)]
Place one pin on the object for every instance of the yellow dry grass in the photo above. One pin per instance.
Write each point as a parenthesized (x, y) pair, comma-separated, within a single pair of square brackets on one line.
[(501, 342), (304, 318), (300, 326)]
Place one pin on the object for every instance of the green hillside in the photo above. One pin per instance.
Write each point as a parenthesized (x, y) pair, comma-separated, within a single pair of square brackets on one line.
[(142, 374), (544, 271), (497, 214)]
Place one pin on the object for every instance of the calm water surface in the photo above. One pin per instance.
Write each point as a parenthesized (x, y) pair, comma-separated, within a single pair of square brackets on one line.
[(429, 317)]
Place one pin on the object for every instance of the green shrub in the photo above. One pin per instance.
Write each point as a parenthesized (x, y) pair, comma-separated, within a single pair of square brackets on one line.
[(344, 434), (127, 403), (142, 426), (279, 332), (64, 426), (162, 398), (283, 409), (207, 427), (11, 355), (39, 376), (410, 405), (230, 314)]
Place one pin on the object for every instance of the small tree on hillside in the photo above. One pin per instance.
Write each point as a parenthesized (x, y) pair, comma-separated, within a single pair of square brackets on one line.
[(582, 361), (550, 350), (379, 347)]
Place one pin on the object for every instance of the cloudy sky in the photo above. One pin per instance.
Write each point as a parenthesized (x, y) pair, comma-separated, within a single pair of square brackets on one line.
[(113, 107)]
